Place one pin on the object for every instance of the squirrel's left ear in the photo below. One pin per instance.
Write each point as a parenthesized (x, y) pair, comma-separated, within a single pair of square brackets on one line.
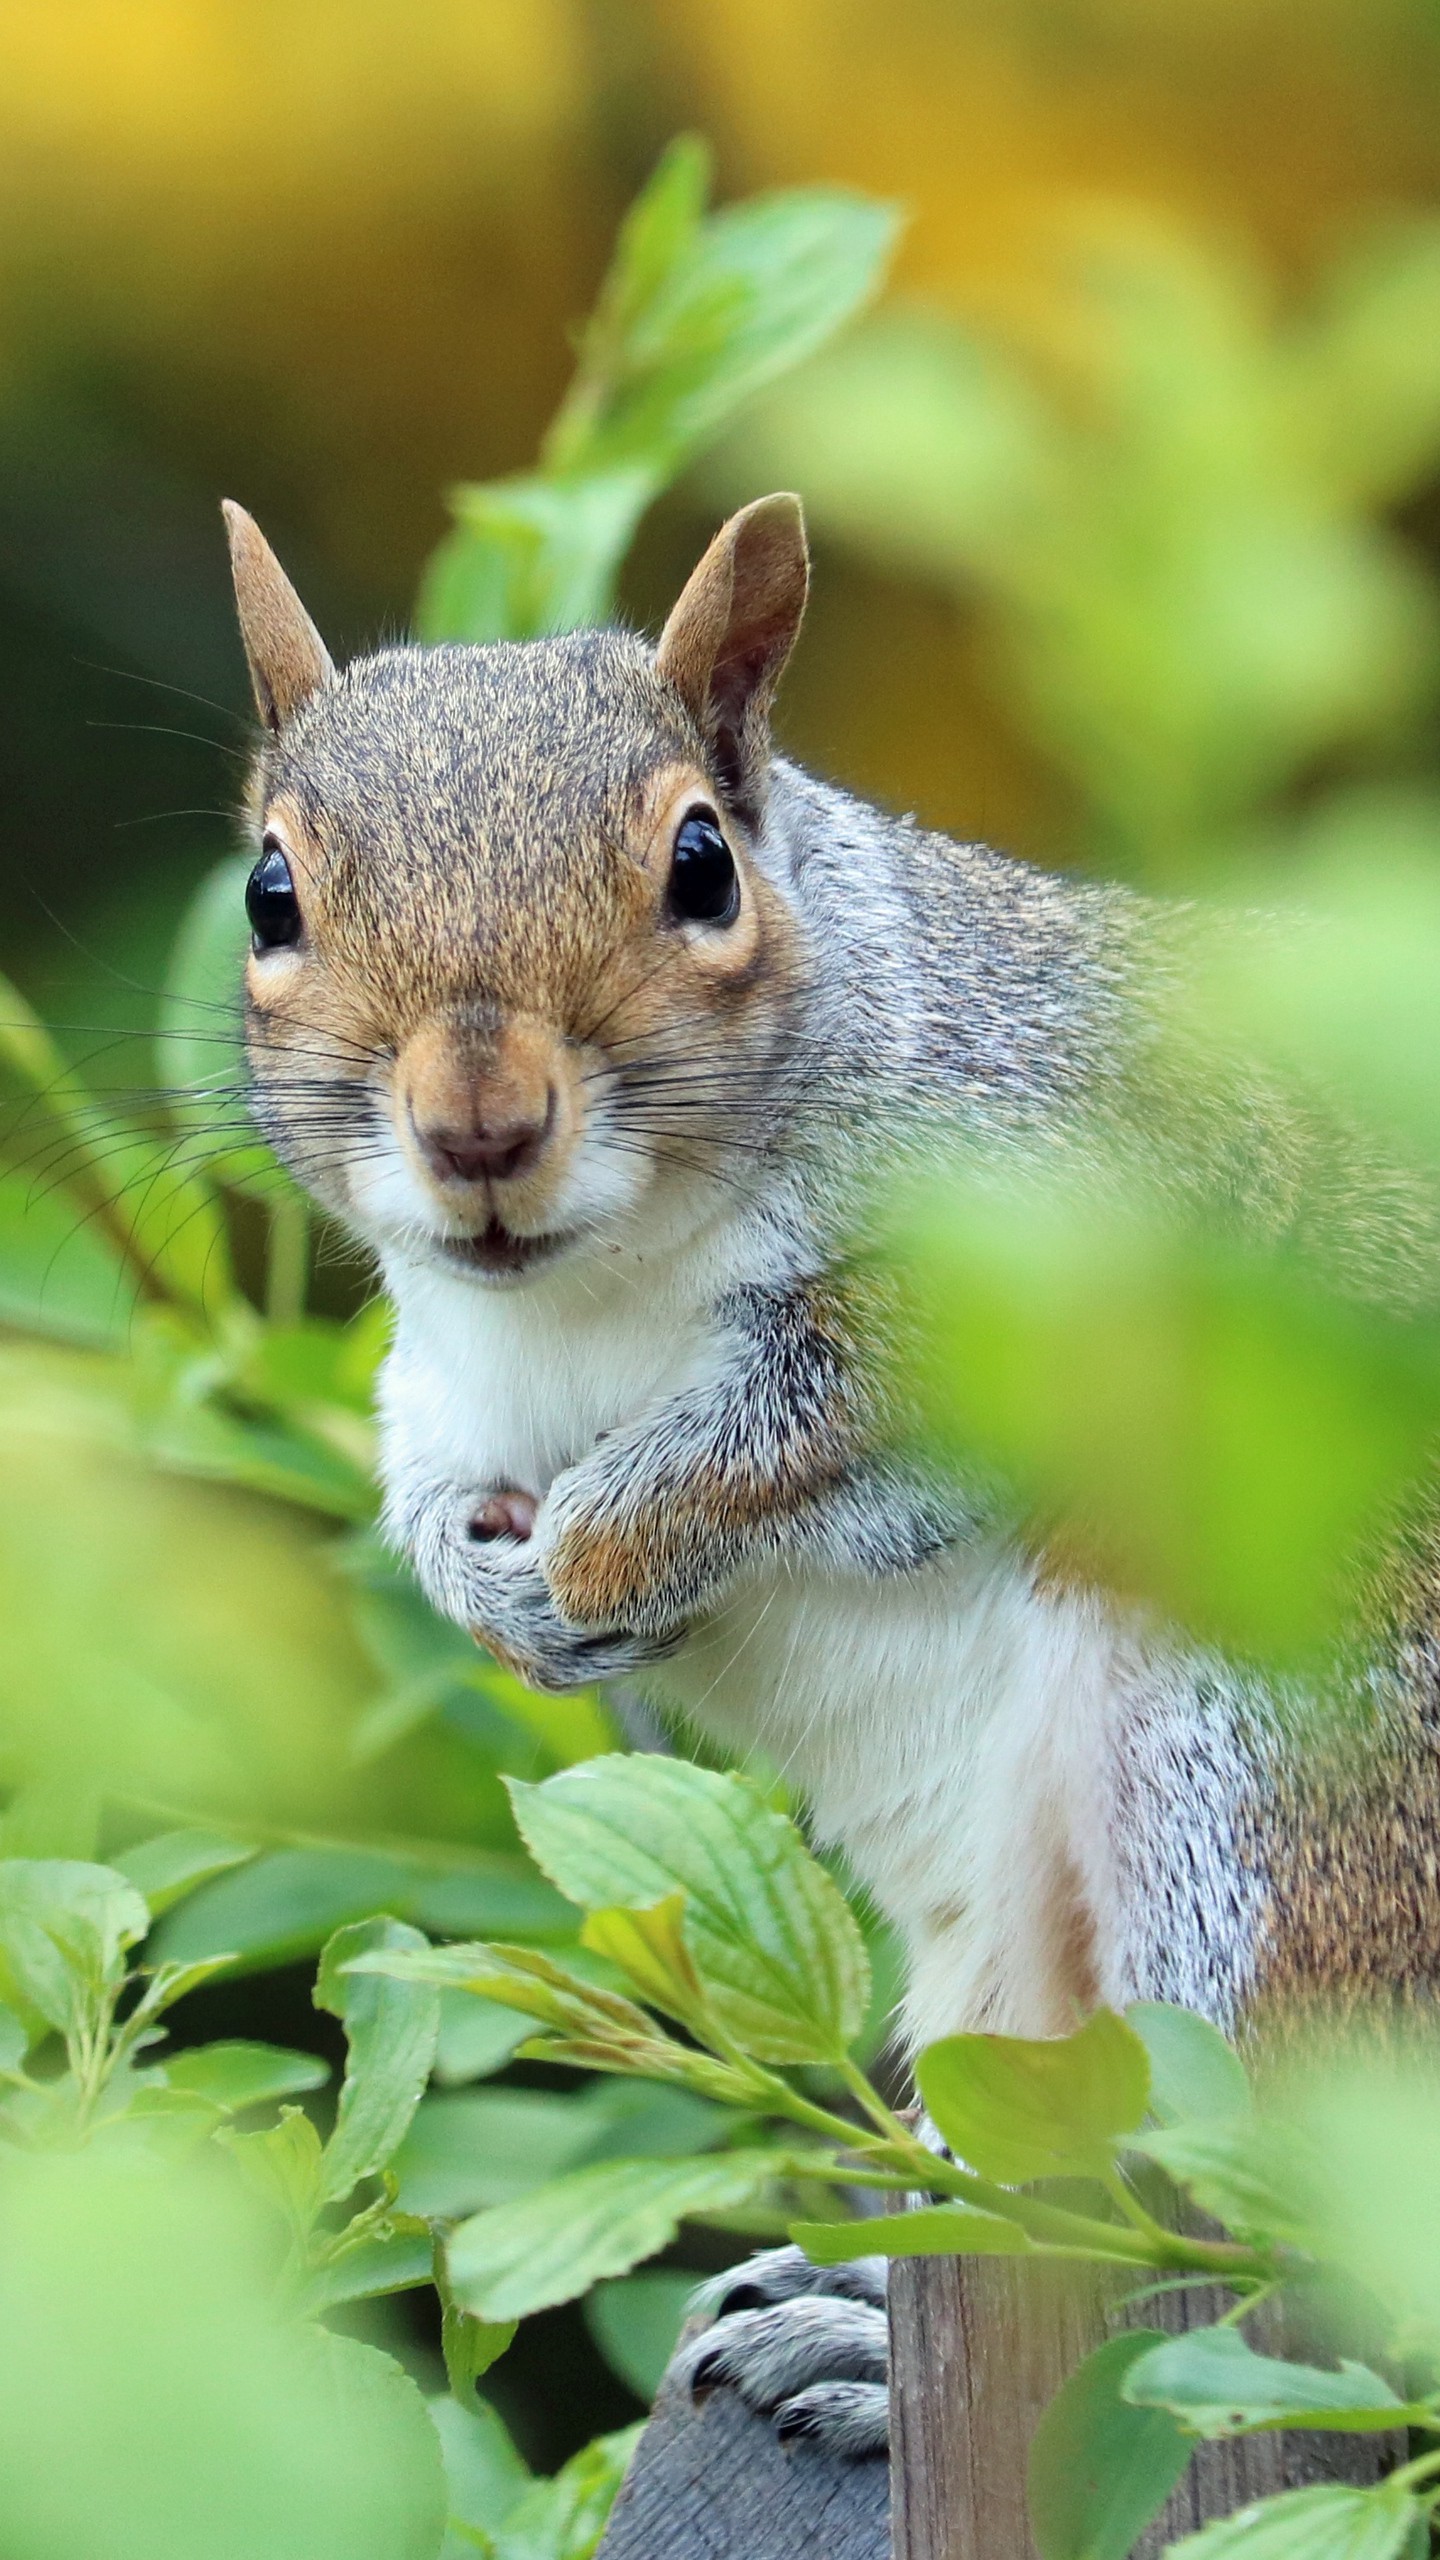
[(725, 645), (288, 660)]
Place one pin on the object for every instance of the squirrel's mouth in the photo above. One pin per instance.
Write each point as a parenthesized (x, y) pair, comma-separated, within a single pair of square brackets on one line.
[(502, 1255)]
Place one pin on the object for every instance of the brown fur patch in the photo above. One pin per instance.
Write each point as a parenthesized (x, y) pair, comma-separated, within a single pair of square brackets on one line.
[(1350, 1834)]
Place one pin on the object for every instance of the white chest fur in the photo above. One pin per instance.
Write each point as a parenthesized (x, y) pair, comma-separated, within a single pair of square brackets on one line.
[(957, 1731), (508, 1387)]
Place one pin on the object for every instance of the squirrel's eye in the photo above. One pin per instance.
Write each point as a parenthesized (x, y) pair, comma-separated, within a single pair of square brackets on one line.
[(703, 884), (271, 903)]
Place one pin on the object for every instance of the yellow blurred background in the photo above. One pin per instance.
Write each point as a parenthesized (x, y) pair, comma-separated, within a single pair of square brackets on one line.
[(323, 255)]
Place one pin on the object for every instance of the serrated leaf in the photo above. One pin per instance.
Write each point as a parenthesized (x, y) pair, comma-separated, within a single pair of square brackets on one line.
[(1216, 2385), (65, 1926), (391, 2029), (931, 2230), (1312, 2524), (1195, 2075), (1099, 2470), (175, 1863), (773, 1940), (235, 2074), (558, 2241), (649, 1948), (517, 1977), (1018, 2108)]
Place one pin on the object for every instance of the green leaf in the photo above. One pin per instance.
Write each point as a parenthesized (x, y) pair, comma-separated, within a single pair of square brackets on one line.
[(59, 1272), (171, 1982), (682, 338), (65, 1926), (392, 2258), (649, 1948), (487, 2146), (484, 2474), (1216, 2385), (694, 316), (14, 2040), (564, 2518), (470, 2346), (1313, 2524), (284, 2166), (175, 1863), (1018, 2108), (557, 2242), (475, 2039), (1099, 2470), (391, 2029), (1194, 2073), (235, 2075), (636, 2321), (533, 555), (284, 1904), (1253, 2176), (772, 1938), (931, 2230), (409, 2493)]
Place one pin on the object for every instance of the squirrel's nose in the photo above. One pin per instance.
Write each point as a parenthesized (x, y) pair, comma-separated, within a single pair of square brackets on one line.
[(489, 1149)]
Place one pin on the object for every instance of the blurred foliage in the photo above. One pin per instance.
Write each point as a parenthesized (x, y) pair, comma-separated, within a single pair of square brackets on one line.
[(1177, 510), (212, 1672), (1175, 531), (1325, 2181)]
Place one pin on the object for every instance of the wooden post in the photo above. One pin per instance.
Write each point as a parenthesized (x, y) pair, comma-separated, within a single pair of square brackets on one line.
[(979, 2346)]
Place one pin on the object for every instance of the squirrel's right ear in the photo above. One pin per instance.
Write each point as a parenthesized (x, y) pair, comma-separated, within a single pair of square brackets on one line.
[(288, 660), (725, 645)]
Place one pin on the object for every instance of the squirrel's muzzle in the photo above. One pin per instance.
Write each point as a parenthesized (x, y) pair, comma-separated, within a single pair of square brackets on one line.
[(483, 1108)]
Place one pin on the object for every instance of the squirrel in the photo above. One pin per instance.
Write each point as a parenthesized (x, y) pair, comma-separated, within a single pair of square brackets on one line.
[(591, 1015)]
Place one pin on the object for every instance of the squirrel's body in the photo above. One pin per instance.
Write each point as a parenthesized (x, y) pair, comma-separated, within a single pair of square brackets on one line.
[(598, 1024), (957, 1725), (596, 1021)]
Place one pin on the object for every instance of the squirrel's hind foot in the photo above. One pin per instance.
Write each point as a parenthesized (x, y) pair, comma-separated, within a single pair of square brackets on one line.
[(807, 2346)]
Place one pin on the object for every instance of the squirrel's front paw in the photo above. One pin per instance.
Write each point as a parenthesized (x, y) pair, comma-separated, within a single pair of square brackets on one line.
[(481, 1555)]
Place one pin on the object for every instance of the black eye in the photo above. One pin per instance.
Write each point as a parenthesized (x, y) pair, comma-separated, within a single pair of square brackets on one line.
[(703, 885), (271, 903)]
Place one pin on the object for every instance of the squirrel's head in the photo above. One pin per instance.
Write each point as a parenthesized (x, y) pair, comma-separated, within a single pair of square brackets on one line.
[(520, 976)]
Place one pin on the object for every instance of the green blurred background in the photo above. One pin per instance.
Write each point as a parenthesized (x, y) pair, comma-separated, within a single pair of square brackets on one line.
[(324, 258)]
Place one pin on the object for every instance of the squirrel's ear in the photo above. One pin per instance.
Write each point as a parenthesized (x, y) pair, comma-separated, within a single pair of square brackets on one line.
[(288, 659), (725, 645)]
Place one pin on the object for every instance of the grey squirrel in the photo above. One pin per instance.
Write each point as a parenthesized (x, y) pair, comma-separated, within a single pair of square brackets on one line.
[(591, 1016)]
